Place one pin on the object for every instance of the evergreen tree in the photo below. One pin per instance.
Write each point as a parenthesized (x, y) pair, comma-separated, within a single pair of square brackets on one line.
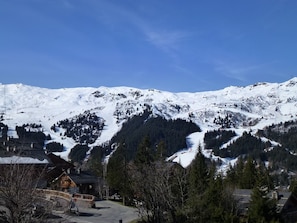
[(210, 200), (117, 172), (214, 210), (198, 176), (249, 175), (198, 180), (238, 172), (78, 153), (95, 161), (161, 150), (263, 176), (219, 202), (144, 154), (231, 176), (293, 187), (261, 209)]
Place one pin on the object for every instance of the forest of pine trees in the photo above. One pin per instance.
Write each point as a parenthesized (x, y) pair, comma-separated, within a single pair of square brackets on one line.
[(172, 132), (166, 192)]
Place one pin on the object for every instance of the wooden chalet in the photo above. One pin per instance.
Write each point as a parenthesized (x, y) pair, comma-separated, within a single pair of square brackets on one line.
[(286, 203), (12, 151), (33, 159), (60, 174), (63, 176), (289, 207)]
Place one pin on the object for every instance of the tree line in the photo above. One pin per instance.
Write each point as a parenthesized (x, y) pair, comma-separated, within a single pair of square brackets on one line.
[(166, 192), (172, 132)]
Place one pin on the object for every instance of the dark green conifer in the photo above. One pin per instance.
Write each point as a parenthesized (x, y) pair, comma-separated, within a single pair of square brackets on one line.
[(249, 175), (117, 172), (262, 208), (144, 155), (198, 181)]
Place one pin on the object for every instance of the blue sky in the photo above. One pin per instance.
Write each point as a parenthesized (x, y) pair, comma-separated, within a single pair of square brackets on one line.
[(171, 45)]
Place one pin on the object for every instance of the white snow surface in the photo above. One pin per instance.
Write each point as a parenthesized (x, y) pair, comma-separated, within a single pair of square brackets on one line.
[(254, 107), (22, 160)]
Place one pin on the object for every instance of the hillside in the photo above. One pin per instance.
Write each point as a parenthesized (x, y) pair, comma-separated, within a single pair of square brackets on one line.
[(93, 116)]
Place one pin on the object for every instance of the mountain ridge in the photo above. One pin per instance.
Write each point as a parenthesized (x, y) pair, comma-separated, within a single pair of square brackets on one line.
[(249, 108)]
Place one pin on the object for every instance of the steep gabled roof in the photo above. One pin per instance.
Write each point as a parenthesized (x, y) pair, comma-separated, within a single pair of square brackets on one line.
[(83, 178), (59, 162)]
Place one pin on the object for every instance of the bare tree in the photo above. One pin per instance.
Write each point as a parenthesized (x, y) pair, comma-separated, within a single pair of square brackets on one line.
[(161, 189), (20, 202)]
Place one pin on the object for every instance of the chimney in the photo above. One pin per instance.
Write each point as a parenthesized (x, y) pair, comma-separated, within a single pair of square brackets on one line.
[(274, 195)]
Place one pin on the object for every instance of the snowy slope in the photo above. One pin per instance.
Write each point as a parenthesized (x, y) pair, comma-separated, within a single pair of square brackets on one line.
[(251, 108)]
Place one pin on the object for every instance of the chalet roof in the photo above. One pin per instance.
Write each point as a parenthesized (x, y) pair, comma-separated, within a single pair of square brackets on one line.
[(243, 196), (59, 162), (57, 167), (24, 156), (83, 178), (22, 160)]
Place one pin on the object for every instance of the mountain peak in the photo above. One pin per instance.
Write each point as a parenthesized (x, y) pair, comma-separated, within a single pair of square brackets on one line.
[(249, 108)]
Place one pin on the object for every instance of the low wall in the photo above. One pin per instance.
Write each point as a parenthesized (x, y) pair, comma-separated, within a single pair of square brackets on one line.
[(84, 200), (63, 198)]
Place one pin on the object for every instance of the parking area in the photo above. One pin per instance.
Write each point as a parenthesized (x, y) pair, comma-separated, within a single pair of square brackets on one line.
[(104, 211)]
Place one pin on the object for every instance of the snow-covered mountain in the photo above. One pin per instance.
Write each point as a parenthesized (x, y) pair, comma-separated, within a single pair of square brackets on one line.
[(249, 108)]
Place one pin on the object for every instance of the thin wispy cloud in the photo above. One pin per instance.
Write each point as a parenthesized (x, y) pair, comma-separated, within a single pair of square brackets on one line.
[(236, 71), (166, 40), (185, 42), (157, 35)]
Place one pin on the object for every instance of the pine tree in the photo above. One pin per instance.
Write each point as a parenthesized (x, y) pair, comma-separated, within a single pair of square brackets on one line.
[(117, 172), (214, 210), (293, 186), (161, 150), (231, 176), (263, 177), (217, 202), (144, 155), (198, 176), (249, 175), (238, 171), (95, 161), (262, 209), (198, 181)]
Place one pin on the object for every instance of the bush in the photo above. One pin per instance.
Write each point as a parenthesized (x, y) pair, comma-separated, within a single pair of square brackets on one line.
[(54, 147), (78, 153)]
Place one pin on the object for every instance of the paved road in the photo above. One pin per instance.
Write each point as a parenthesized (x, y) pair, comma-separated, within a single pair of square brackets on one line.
[(105, 212)]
